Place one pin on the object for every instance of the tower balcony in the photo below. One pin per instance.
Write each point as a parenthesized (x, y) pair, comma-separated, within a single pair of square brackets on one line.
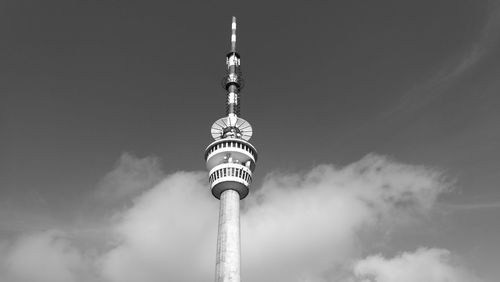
[(230, 176), (232, 150)]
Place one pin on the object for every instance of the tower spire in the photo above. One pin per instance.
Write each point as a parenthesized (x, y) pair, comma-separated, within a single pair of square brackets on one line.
[(233, 35), (233, 80), (232, 124), (230, 160)]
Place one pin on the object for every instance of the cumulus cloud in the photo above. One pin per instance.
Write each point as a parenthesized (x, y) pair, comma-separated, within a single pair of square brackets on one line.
[(129, 178), (430, 265), (298, 226), (168, 235), (306, 226), (43, 257)]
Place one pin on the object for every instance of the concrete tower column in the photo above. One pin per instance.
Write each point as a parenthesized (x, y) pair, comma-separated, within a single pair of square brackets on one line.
[(228, 238)]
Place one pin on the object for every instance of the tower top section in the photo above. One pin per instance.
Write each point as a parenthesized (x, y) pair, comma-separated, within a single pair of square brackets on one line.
[(232, 126), (231, 158)]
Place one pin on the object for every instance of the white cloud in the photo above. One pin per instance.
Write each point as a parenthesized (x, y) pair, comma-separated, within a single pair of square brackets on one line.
[(297, 227), (43, 257), (167, 235), (129, 178), (304, 226), (430, 265)]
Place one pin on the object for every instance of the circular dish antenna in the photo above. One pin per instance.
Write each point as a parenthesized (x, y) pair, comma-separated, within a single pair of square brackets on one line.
[(240, 127)]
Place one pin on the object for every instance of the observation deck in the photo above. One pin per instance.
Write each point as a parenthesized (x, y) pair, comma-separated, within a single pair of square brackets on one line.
[(230, 162)]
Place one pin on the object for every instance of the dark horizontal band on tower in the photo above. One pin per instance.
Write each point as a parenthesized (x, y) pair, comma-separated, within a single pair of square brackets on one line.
[(239, 82), (233, 53)]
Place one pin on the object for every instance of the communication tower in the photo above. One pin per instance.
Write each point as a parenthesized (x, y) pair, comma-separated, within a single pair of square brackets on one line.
[(230, 161)]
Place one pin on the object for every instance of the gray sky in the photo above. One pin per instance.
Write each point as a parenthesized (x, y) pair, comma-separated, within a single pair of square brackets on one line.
[(101, 100)]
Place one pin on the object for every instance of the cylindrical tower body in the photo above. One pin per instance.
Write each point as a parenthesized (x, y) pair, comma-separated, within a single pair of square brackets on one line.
[(228, 239), (230, 161)]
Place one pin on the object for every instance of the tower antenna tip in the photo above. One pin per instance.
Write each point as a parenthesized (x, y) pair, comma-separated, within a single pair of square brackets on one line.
[(233, 35)]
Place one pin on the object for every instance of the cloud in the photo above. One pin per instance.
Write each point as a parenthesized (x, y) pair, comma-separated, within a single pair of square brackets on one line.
[(430, 265), (168, 235), (453, 68), (129, 178), (305, 226), (43, 257), (469, 206), (298, 226)]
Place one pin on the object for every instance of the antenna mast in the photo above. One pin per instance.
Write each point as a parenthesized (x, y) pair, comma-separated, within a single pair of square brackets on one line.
[(232, 125), (233, 35)]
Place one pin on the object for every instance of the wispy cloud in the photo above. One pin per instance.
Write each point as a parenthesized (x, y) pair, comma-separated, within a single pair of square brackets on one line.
[(470, 206), (430, 265), (453, 68)]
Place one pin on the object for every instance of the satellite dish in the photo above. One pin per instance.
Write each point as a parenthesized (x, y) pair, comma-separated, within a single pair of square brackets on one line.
[(242, 127)]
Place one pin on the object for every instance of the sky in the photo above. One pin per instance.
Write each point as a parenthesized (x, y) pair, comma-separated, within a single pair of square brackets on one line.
[(376, 124)]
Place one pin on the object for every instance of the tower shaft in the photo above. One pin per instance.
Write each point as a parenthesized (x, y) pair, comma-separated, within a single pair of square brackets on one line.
[(228, 238)]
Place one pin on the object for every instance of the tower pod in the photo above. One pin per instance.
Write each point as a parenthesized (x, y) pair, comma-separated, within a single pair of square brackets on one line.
[(230, 162)]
